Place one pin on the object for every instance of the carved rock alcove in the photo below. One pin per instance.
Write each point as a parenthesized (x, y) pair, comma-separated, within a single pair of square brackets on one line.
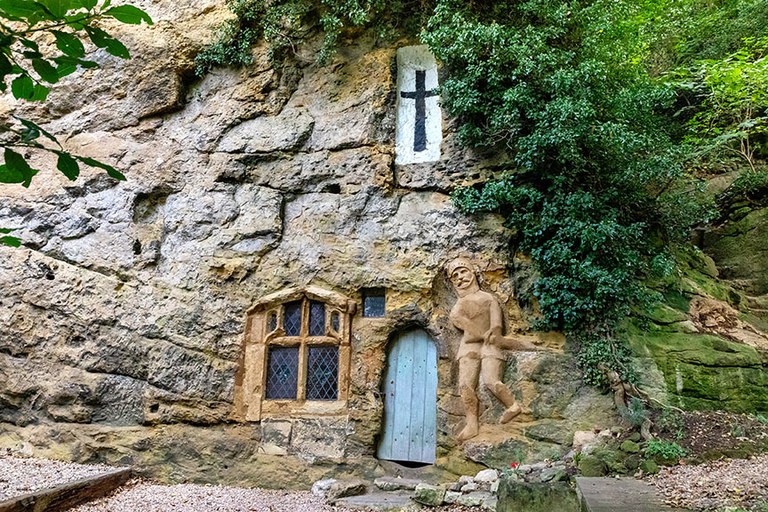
[(296, 356)]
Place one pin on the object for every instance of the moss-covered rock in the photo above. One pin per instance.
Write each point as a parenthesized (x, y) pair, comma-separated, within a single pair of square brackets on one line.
[(649, 467), (589, 465), (665, 315), (515, 495), (706, 372), (740, 249), (630, 447)]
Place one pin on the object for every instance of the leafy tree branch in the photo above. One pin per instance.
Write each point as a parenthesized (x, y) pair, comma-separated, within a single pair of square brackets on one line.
[(30, 68)]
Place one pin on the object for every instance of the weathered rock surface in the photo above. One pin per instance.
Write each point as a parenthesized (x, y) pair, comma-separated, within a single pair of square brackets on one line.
[(427, 494), (123, 318)]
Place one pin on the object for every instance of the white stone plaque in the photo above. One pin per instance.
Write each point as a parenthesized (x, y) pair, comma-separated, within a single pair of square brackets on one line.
[(419, 120)]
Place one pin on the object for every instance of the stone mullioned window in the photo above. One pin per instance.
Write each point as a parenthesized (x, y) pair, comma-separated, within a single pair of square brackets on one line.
[(296, 356)]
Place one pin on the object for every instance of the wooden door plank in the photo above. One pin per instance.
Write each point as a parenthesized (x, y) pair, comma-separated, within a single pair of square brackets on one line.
[(403, 399), (388, 426), (430, 417), (418, 396)]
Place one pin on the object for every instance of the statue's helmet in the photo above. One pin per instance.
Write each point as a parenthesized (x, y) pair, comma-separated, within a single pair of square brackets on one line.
[(460, 262)]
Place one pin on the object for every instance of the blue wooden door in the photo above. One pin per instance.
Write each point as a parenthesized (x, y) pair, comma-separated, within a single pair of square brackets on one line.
[(410, 400)]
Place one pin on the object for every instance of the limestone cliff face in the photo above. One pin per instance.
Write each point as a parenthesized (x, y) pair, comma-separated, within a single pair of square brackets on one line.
[(123, 320)]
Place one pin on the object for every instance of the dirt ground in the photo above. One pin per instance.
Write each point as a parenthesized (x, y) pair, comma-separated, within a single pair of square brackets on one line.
[(726, 466)]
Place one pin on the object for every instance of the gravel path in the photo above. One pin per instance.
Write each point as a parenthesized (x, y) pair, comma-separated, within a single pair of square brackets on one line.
[(716, 485), (21, 476), (24, 475), (147, 497)]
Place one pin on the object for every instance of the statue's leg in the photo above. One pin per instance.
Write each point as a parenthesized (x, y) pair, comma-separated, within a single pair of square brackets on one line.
[(492, 373), (469, 372)]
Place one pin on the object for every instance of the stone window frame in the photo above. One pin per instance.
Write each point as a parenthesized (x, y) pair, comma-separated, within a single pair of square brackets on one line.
[(251, 403)]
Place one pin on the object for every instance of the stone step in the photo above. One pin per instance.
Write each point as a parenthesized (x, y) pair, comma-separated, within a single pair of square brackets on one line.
[(379, 500), (392, 483), (68, 495), (619, 495)]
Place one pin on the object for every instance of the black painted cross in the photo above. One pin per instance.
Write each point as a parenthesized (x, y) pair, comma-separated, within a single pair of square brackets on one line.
[(420, 95)]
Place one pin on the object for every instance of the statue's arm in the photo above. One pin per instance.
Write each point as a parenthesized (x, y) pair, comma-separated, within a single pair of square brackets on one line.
[(495, 328), (515, 342), (524, 342)]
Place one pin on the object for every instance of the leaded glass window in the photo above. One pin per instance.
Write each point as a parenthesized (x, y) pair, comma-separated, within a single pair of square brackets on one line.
[(316, 318), (298, 352), (323, 373), (282, 372), (374, 302), (292, 318)]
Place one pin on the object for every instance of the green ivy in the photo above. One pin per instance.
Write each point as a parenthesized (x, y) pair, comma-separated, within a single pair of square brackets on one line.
[(286, 24), (596, 191), (668, 450), (729, 110)]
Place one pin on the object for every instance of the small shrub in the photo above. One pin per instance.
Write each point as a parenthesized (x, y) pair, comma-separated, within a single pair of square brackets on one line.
[(666, 450), (672, 422), (751, 186), (738, 431), (636, 414)]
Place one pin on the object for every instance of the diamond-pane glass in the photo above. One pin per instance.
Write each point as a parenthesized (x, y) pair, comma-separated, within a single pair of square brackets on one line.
[(323, 373), (283, 372), (316, 318), (292, 318)]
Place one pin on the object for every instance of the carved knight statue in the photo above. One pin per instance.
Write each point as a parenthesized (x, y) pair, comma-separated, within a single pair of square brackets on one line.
[(479, 316)]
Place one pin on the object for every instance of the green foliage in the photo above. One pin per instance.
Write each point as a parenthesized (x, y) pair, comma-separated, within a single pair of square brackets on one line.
[(31, 68), (598, 194), (750, 187), (286, 24), (596, 187), (636, 414), (730, 103), (711, 30), (664, 449), (10, 241), (671, 422)]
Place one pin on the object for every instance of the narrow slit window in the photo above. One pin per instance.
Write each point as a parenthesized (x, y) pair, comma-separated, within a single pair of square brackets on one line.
[(272, 321), (374, 302), (335, 322)]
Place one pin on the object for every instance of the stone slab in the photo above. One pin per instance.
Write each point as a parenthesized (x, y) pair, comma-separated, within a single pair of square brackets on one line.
[(68, 495), (391, 483), (382, 501), (619, 495)]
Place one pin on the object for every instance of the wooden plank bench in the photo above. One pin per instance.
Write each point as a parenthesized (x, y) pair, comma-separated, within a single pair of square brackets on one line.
[(68, 495)]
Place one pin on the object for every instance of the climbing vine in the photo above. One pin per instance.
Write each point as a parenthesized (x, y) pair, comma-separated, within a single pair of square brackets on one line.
[(286, 24), (595, 189)]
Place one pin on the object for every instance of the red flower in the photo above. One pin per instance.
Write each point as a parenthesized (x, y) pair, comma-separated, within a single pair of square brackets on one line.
[(514, 465)]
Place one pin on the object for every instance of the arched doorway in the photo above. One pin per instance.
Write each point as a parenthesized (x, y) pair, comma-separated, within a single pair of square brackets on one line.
[(408, 431)]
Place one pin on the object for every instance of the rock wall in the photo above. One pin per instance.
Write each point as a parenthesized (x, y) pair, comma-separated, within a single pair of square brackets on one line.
[(124, 315)]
